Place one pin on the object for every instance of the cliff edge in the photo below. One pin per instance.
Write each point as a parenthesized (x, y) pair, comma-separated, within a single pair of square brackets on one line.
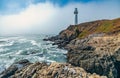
[(94, 46)]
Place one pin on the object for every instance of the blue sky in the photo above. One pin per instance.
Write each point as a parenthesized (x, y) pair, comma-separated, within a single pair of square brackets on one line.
[(25, 3), (7, 8), (52, 16)]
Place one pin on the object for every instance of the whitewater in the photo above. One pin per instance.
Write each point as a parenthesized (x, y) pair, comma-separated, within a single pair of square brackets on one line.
[(31, 47)]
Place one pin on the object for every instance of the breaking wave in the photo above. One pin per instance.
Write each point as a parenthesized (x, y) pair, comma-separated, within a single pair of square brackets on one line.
[(33, 48)]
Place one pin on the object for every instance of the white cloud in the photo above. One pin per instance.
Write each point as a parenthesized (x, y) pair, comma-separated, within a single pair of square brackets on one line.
[(28, 20), (47, 18)]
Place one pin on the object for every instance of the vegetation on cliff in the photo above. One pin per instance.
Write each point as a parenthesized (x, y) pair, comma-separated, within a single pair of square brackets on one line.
[(99, 26), (94, 46)]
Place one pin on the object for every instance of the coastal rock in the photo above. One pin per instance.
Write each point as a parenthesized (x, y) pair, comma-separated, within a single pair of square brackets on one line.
[(54, 70), (103, 59), (93, 46), (14, 67), (29, 71)]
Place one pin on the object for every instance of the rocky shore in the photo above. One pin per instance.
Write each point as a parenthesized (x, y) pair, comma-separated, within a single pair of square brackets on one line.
[(25, 69), (93, 47), (95, 54)]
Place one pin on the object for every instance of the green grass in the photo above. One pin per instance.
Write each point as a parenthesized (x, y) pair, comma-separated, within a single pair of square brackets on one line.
[(105, 27), (83, 34)]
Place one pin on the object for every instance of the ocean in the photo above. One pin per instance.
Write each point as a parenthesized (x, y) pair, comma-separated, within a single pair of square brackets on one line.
[(31, 47)]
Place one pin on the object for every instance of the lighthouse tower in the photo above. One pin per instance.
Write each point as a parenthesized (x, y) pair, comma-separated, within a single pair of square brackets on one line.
[(76, 16)]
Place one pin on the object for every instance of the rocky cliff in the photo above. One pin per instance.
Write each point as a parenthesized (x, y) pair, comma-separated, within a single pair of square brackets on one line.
[(94, 46), (96, 55)]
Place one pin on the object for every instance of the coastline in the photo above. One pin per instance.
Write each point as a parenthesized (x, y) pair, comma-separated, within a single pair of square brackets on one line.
[(96, 51), (25, 69), (91, 52)]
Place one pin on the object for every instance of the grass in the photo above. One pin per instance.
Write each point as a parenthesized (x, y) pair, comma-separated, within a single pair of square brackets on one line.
[(105, 27), (83, 34)]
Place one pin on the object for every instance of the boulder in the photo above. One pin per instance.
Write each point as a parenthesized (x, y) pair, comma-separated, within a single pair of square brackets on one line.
[(42, 70), (14, 67)]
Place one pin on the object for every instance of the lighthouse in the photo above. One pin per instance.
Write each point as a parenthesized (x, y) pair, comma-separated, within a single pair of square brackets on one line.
[(76, 16)]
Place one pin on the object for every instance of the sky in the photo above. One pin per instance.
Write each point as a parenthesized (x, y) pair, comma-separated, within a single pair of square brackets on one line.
[(52, 16)]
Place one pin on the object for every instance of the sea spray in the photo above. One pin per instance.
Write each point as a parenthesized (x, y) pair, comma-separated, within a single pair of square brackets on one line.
[(33, 48)]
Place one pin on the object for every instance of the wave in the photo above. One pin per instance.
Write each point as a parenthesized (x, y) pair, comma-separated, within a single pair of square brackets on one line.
[(4, 64), (22, 40), (34, 49), (2, 67), (7, 44), (19, 52), (33, 42), (8, 41), (3, 49)]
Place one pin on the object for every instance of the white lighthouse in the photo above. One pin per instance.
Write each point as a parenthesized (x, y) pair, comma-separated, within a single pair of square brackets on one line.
[(76, 16)]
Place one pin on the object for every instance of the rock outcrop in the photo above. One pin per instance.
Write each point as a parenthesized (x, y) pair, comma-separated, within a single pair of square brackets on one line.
[(42, 70), (14, 67), (94, 46), (83, 30), (98, 54)]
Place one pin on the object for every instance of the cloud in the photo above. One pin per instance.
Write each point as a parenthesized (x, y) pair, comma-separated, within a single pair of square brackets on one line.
[(34, 17), (47, 18)]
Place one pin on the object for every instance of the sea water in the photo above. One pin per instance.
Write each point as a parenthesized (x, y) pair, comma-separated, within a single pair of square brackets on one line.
[(32, 47)]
